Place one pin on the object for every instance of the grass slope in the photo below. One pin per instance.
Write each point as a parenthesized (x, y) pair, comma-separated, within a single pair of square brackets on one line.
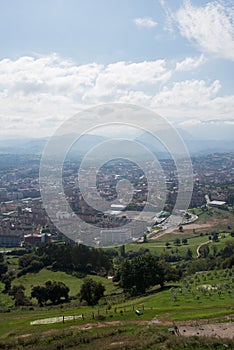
[(204, 295), (74, 283), (191, 302)]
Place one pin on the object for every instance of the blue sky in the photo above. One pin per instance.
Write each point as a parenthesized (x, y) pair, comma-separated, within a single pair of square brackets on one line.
[(58, 57), (88, 31)]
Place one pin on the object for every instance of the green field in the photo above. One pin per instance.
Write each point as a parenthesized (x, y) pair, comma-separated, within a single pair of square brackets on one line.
[(73, 282), (218, 218), (180, 301), (114, 322), (194, 240), (220, 221)]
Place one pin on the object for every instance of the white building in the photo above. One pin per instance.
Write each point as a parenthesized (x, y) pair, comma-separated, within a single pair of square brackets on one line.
[(115, 236)]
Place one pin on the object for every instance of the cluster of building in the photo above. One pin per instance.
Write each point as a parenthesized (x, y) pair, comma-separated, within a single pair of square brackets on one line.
[(213, 176), (23, 222), (112, 219), (19, 183)]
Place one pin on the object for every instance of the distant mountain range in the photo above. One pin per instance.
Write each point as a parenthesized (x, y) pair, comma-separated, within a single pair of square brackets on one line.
[(195, 146)]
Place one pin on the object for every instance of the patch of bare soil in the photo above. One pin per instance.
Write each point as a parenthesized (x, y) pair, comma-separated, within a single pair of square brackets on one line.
[(185, 328), (25, 335), (88, 326), (117, 343), (195, 226), (110, 323), (174, 229), (218, 330)]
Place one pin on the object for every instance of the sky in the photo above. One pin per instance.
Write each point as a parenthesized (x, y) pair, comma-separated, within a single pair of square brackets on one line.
[(59, 57)]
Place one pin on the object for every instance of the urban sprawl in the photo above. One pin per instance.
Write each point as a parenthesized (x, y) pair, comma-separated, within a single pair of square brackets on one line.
[(24, 220)]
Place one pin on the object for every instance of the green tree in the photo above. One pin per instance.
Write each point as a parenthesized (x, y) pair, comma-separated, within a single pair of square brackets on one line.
[(126, 274), (17, 291), (122, 251), (204, 251), (56, 291), (7, 282), (215, 250), (75, 257), (166, 273), (167, 244), (228, 250), (177, 241), (91, 291), (189, 254), (141, 272), (3, 266), (26, 259), (215, 237), (40, 293)]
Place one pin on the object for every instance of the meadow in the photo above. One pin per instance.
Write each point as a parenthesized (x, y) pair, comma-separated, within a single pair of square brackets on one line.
[(159, 245), (201, 296), (114, 322)]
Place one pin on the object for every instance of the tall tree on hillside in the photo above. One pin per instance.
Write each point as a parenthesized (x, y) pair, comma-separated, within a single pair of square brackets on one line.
[(204, 250), (91, 291), (3, 266), (17, 291), (140, 273), (189, 254), (40, 293), (56, 291)]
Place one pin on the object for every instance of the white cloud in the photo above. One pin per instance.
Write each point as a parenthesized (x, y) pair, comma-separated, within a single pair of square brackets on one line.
[(117, 79), (169, 16), (189, 92), (193, 99), (190, 122), (147, 22), (190, 63), (210, 27), (51, 73), (38, 93), (42, 91)]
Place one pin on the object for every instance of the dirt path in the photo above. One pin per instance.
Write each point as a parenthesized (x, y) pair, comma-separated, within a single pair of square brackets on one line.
[(186, 328), (88, 326), (200, 245), (110, 323)]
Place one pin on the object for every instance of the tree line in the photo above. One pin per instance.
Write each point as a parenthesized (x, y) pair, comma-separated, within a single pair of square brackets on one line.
[(56, 292), (135, 272), (65, 257)]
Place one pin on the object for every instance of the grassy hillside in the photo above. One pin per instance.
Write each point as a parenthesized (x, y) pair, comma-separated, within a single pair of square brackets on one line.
[(127, 336), (193, 241), (209, 221), (113, 323), (74, 283), (204, 295), (217, 218)]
